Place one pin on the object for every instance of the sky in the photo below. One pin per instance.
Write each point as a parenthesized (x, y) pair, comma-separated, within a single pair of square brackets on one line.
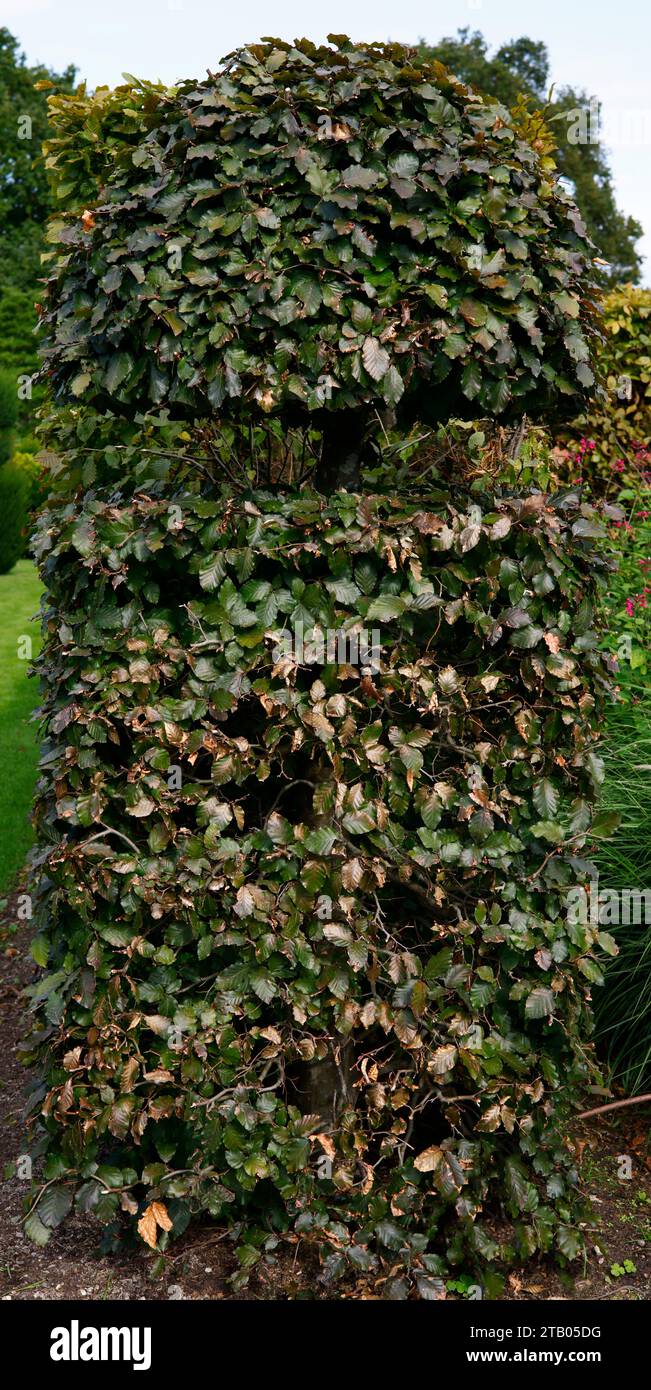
[(593, 44)]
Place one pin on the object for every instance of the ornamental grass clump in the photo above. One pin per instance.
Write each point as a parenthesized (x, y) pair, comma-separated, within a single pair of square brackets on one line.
[(320, 761)]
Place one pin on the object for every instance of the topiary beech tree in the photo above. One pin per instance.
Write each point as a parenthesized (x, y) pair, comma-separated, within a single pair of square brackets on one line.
[(320, 754)]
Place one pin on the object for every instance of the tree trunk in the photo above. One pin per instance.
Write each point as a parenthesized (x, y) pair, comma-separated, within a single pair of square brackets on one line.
[(325, 1087), (342, 451)]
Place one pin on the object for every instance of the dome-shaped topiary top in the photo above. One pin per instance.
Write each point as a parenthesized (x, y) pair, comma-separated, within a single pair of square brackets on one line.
[(329, 227)]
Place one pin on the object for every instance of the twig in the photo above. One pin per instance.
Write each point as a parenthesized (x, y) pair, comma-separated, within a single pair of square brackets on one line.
[(109, 831), (615, 1105)]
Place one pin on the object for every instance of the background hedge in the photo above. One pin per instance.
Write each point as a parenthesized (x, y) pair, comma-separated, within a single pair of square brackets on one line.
[(619, 423)]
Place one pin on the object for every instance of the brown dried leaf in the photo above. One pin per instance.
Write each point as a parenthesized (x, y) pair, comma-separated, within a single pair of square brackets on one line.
[(160, 1215), (429, 1159), (147, 1228)]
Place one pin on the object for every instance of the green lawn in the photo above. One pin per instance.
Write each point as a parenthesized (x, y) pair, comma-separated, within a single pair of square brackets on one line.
[(19, 600)]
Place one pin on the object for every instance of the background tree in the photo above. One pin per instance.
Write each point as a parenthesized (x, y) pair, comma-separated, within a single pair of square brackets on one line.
[(25, 199), (521, 67)]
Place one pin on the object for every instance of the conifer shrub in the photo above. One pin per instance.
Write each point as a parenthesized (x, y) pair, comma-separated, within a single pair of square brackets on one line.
[(35, 475), (8, 412), (320, 760), (18, 353), (14, 499)]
